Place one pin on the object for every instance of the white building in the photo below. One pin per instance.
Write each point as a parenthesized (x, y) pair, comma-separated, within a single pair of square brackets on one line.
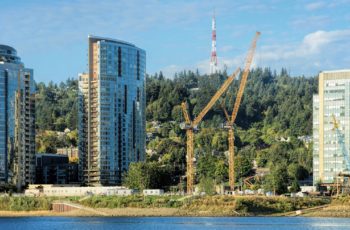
[(54, 190)]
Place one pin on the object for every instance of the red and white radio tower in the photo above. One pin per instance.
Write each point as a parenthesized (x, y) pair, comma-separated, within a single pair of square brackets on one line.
[(213, 59)]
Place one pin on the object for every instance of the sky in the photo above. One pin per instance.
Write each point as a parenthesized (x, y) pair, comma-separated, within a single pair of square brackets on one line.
[(305, 37)]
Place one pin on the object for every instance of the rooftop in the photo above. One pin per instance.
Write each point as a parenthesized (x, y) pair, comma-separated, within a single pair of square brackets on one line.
[(8, 54), (336, 71), (97, 38)]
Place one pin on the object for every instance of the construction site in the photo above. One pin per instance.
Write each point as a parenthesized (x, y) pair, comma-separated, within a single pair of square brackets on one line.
[(191, 125), (331, 165)]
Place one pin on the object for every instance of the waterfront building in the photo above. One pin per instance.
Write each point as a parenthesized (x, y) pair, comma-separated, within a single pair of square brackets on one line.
[(111, 110), (331, 108), (54, 168), (17, 120), (69, 190)]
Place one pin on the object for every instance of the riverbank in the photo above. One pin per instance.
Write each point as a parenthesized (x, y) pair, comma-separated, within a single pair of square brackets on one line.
[(118, 212), (133, 206)]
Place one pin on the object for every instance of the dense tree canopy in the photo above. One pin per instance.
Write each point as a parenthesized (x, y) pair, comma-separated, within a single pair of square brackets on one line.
[(276, 109), (57, 105), (56, 109)]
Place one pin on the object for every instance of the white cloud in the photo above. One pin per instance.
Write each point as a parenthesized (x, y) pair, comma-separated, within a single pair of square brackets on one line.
[(315, 5), (170, 70), (317, 51), (203, 66), (318, 5), (318, 21), (254, 6)]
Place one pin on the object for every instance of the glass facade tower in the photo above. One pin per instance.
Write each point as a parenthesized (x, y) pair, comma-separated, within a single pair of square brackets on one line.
[(331, 144), (111, 110), (17, 120)]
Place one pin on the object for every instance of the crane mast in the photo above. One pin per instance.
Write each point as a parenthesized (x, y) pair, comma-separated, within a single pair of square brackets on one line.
[(232, 119), (245, 74), (191, 125)]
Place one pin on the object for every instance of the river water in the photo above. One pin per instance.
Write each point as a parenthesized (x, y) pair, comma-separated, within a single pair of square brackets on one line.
[(173, 223)]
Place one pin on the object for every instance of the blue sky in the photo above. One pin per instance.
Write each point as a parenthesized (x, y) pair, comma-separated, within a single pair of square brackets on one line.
[(304, 36)]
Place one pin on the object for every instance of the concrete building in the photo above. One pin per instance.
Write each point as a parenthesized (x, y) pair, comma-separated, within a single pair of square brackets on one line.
[(55, 169), (111, 110), (331, 146), (17, 120)]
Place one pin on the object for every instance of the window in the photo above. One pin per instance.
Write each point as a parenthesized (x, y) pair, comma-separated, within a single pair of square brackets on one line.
[(134, 124), (138, 65), (125, 98), (119, 62)]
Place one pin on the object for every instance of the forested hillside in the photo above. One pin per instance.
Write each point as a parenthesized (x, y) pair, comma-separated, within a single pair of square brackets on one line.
[(275, 107), (275, 111), (56, 110), (56, 105)]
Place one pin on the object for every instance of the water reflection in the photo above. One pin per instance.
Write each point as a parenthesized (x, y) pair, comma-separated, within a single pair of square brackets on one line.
[(174, 223)]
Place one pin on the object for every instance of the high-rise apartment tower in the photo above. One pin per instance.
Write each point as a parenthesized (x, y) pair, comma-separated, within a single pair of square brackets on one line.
[(111, 110), (331, 126), (17, 120)]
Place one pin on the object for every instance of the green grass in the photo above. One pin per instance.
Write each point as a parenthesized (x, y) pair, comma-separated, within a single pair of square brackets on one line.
[(216, 205), (25, 203), (229, 205), (132, 202), (195, 205)]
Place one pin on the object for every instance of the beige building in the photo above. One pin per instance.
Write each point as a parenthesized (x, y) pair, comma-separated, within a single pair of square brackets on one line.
[(330, 144)]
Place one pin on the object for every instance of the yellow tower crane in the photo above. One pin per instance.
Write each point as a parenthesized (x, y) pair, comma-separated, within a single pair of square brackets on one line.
[(231, 120), (190, 126)]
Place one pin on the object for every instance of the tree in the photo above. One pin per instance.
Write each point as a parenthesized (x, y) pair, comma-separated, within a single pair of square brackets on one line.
[(297, 172), (277, 180), (295, 186), (207, 186), (138, 176), (221, 171), (206, 166), (176, 113), (242, 167), (148, 175)]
